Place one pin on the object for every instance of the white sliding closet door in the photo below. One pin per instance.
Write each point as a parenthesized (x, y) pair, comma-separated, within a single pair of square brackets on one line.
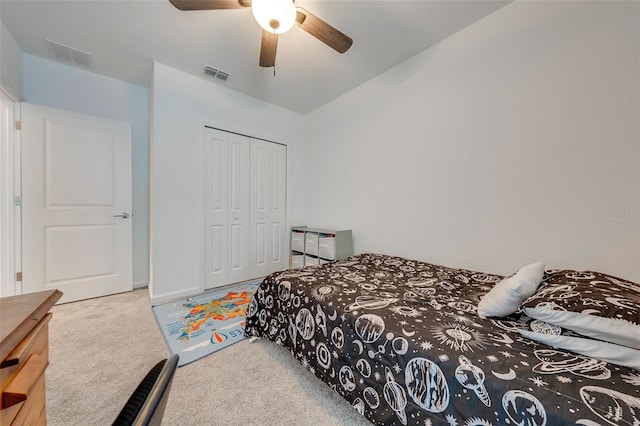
[(268, 205), (227, 206)]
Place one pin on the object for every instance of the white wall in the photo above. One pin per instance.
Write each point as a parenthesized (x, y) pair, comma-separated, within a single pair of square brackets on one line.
[(69, 88), (10, 65), (181, 105), (507, 143)]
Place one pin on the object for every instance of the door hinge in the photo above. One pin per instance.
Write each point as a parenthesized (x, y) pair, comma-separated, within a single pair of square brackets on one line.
[(19, 276), (18, 200), (18, 125)]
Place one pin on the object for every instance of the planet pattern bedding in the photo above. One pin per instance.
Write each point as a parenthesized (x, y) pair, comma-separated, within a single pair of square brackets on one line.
[(402, 342)]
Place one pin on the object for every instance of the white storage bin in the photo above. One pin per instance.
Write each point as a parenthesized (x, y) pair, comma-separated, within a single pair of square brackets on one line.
[(310, 261), (327, 248), (297, 261), (324, 261), (297, 241), (311, 244)]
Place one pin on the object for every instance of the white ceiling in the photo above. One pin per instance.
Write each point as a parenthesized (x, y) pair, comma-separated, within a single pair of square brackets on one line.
[(125, 37)]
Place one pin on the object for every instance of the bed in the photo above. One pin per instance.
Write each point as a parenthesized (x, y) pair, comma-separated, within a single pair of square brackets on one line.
[(402, 342)]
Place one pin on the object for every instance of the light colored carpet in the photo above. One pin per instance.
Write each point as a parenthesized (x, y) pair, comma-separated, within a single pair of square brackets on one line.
[(101, 348)]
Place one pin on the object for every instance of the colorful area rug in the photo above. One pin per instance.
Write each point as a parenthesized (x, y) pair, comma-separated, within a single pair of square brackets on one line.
[(198, 326)]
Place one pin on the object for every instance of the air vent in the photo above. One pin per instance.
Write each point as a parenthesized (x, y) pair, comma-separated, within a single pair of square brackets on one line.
[(69, 54), (215, 73)]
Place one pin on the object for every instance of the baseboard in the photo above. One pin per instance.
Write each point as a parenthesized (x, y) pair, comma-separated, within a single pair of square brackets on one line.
[(169, 297), (140, 284), (177, 295)]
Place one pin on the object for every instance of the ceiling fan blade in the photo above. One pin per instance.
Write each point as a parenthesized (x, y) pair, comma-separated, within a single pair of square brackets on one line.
[(209, 4), (323, 31), (268, 49)]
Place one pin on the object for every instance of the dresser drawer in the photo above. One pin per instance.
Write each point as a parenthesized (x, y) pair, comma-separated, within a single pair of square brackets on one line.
[(27, 390), (24, 356), (36, 343)]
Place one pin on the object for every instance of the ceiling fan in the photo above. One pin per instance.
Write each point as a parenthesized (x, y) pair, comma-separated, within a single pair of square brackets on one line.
[(275, 17)]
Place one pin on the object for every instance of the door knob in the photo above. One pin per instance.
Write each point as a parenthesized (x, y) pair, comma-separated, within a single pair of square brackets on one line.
[(123, 215)]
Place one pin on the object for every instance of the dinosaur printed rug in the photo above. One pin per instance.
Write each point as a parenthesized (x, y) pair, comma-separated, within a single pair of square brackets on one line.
[(200, 325)]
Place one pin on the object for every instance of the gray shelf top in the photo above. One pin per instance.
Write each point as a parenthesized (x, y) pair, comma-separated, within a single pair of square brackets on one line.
[(316, 230)]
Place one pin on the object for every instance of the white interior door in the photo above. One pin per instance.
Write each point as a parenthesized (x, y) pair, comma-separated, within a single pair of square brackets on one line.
[(268, 202), (76, 203)]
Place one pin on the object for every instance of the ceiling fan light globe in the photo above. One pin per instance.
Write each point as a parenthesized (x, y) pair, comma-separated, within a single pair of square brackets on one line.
[(281, 11)]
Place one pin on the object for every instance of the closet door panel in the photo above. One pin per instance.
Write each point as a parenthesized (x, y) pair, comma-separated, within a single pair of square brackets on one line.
[(217, 257), (276, 245), (277, 206), (216, 208), (268, 208), (239, 208), (260, 190), (260, 238)]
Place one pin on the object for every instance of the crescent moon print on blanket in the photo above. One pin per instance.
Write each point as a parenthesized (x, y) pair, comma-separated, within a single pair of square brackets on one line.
[(402, 342), (510, 375), (359, 345)]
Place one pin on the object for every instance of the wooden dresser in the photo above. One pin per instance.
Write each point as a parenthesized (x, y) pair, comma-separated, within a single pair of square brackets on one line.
[(24, 356)]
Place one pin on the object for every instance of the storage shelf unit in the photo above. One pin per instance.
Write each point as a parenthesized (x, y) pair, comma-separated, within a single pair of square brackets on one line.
[(313, 246)]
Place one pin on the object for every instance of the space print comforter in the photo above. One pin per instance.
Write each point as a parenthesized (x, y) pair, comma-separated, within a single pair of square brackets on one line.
[(400, 340)]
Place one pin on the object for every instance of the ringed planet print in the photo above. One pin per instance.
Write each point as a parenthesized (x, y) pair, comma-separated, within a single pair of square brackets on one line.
[(401, 341)]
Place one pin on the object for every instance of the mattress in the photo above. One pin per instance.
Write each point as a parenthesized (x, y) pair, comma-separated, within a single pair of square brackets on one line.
[(401, 341)]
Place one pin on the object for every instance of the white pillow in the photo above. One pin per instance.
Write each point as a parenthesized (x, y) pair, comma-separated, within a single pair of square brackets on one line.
[(608, 329), (604, 351), (507, 295)]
